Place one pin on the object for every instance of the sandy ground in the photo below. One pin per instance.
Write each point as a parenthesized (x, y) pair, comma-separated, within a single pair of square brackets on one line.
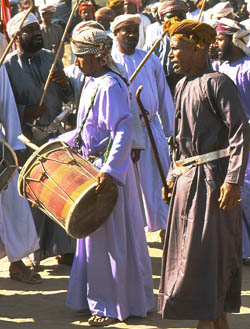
[(42, 306)]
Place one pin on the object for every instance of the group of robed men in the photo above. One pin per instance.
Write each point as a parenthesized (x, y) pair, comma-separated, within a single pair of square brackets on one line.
[(111, 275)]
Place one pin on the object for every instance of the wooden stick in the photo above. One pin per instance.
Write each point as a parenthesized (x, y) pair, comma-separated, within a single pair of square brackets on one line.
[(202, 8), (15, 35), (27, 142), (147, 56), (151, 137), (57, 54)]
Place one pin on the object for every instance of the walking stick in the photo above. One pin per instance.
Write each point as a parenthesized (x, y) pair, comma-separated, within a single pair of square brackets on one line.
[(146, 57), (57, 55), (151, 137), (15, 35), (202, 8)]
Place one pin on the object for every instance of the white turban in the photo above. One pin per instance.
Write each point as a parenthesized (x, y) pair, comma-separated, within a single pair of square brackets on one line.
[(14, 23), (46, 9), (124, 20), (240, 36), (222, 9)]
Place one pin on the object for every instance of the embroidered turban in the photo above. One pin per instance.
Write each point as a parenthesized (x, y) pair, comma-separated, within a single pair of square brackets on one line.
[(170, 6), (86, 5), (240, 36), (203, 34), (47, 9), (124, 20), (14, 23)]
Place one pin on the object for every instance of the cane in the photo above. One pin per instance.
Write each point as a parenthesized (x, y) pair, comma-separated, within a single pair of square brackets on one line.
[(57, 55), (151, 137)]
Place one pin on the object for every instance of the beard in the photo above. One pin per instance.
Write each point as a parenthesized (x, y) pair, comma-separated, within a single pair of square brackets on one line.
[(225, 53), (31, 46)]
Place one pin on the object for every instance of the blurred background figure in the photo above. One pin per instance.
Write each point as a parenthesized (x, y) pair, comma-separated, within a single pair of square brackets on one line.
[(86, 11), (116, 5), (51, 33), (105, 16)]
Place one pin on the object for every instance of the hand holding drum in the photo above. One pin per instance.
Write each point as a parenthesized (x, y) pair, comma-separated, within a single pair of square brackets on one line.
[(67, 188)]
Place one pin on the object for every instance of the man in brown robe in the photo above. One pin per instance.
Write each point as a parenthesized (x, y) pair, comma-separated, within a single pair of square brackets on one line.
[(201, 265)]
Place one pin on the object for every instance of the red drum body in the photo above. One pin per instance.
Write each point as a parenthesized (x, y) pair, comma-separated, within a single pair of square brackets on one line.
[(8, 164), (62, 184)]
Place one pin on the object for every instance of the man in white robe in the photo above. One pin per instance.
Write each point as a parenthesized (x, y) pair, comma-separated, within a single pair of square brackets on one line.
[(18, 236), (157, 100)]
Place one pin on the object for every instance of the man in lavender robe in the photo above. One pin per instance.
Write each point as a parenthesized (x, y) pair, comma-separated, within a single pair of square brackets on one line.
[(111, 275), (232, 40), (157, 100), (201, 265)]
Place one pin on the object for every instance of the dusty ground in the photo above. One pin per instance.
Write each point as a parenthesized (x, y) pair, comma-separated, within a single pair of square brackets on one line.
[(24, 306)]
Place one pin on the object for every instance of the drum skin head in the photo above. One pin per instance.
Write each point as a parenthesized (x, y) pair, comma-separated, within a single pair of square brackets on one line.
[(91, 211)]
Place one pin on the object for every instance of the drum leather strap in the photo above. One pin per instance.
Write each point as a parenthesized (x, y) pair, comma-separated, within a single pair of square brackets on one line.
[(182, 166), (78, 142)]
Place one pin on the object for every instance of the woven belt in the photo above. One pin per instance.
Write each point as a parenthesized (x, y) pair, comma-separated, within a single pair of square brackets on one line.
[(182, 166)]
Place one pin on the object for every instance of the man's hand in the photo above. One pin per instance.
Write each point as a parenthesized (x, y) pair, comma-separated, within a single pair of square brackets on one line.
[(33, 111), (229, 196), (135, 155), (166, 195), (60, 78), (104, 183)]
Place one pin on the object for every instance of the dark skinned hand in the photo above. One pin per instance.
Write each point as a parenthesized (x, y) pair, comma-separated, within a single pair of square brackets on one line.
[(104, 183), (34, 111), (230, 196), (166, 195), (135, 155), (60, 78)]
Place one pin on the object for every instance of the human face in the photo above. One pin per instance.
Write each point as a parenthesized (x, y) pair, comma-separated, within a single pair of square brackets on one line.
[(30, 38), (87, 14), (182, 55), (224, 46), (88, 64), (130, 8), (47, 17), (127, 38)]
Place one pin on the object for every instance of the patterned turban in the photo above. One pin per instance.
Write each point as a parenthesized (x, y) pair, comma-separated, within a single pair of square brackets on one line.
[(170, 6), (84, 5), (240, 36), (222, 9), (14, 23), (124, 20), (202, 33), (136, 2), (87, 40), (46, 9)]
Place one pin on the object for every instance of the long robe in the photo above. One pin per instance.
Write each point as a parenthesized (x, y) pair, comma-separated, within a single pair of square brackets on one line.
[(27, 77), (201, 264), (239, 72), (157, 100), (111, 274), (52, 35), (18, 236)]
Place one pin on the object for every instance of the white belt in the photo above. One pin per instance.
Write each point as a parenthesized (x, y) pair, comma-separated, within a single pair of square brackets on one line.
[(182, 166)]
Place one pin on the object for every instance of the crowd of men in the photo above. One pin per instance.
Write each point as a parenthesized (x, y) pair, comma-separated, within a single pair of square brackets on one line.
[(196, 91)]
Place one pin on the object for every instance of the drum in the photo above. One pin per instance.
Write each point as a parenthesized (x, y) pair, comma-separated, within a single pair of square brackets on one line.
[(62, 184), (8, 164)]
